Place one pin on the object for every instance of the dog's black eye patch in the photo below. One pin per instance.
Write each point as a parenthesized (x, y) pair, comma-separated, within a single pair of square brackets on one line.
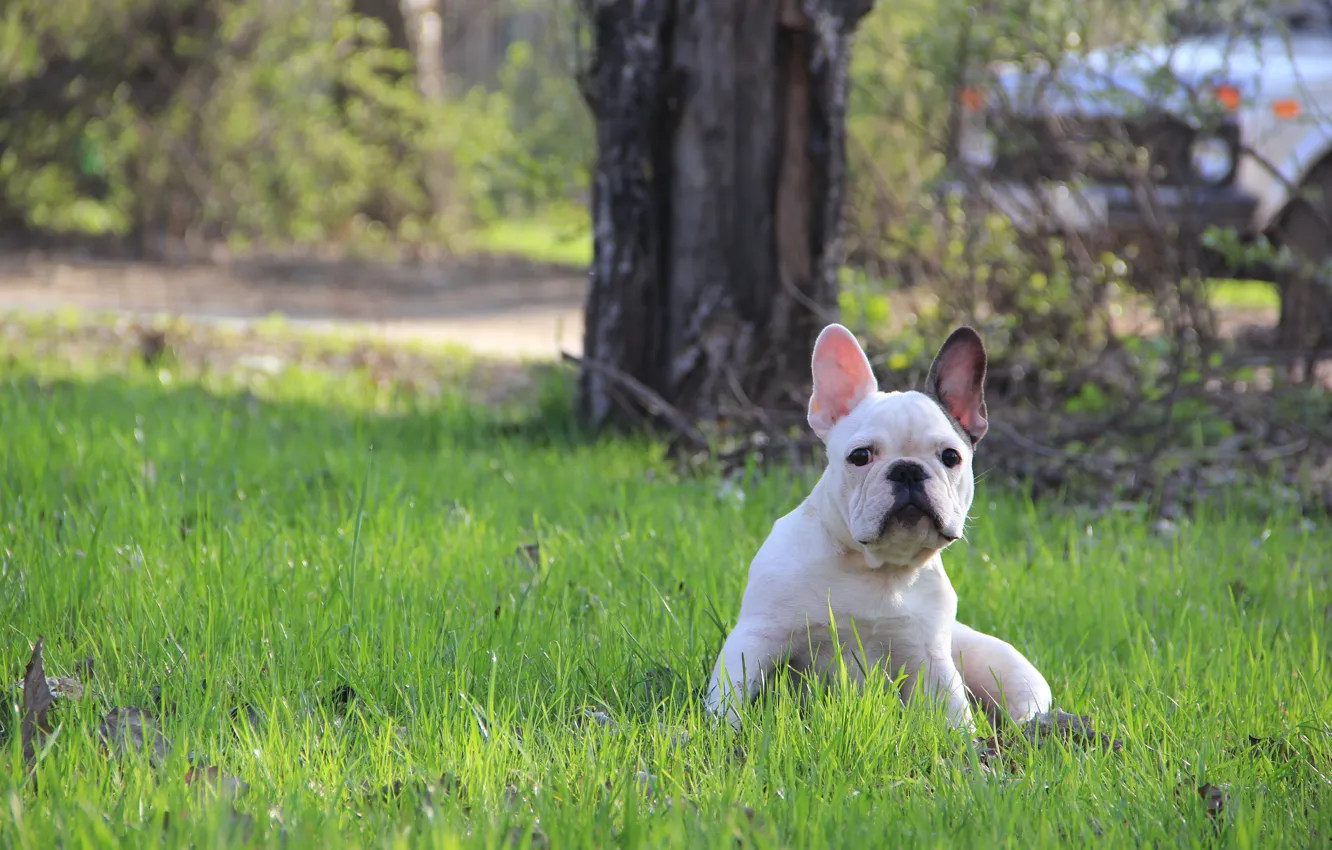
[(860, 457), (950, 457)]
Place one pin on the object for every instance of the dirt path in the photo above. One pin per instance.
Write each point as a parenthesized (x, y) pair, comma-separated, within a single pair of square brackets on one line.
[(497, 309)]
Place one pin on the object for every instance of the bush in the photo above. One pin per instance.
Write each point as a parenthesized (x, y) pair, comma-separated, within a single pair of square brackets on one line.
[(269, 124), (525, 149)]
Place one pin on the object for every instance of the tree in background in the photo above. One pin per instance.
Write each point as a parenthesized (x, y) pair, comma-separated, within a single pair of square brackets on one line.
[(717, 199)]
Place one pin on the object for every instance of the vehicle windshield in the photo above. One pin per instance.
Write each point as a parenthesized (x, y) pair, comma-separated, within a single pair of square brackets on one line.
[(1247, 17)]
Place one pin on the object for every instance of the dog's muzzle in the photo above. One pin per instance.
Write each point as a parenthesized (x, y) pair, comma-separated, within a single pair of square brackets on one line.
[(911, 502)]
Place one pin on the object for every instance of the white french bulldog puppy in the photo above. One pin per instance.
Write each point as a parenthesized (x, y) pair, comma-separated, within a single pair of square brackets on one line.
[(861, 554)]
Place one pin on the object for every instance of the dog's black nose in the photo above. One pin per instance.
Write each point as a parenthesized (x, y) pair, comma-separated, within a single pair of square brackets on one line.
[(907, 472)]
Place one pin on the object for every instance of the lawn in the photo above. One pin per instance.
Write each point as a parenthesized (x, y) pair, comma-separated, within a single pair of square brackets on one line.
[(565, 241), (403, 607)]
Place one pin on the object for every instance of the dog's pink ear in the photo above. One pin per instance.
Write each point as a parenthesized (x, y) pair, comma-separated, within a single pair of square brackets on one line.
[(957, 381), (842, 379)]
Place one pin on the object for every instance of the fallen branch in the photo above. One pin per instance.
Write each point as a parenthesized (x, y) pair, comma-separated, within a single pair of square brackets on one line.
[(1092, 463), (651, 401)]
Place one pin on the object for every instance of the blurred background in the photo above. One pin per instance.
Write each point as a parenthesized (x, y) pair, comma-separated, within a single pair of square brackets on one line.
[(426, 168)]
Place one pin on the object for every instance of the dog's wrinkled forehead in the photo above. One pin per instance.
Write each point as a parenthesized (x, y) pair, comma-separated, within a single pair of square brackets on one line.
[(901, 421)]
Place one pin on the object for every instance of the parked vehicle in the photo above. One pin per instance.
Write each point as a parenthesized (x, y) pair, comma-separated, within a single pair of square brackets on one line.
[(1228, 124)]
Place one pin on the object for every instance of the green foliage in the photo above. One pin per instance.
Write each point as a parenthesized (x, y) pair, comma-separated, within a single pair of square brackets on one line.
[(239, 130), (526, 147), (312, 138), (522, 152), (270, 123)]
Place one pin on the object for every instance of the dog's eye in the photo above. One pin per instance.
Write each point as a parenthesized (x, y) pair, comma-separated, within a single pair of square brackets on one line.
[(860, 457), (950, 457)]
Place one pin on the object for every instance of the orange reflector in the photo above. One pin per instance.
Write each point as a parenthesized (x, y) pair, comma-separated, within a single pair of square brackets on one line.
[(1228, 96), (972, 98), (1286, 109)]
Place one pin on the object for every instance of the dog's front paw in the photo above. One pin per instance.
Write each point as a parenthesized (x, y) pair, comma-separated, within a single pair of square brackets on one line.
[(720, 710)]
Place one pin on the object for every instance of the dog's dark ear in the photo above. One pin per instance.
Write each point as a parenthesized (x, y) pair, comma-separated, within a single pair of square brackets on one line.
[(842, 378), (957, 381)]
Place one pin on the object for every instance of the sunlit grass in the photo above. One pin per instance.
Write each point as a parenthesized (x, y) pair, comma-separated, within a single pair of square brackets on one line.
[(344, 557), (1245, 294), (543, 240)]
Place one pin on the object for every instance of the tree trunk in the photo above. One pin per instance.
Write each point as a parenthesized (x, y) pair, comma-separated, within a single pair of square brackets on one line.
[(1305, 324), (425, 34), (716, 200), (390, 12)]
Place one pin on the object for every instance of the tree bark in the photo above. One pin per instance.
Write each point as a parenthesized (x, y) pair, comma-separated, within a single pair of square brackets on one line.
[(425, 33), (1305, 323), (390, 12), (716, 200)]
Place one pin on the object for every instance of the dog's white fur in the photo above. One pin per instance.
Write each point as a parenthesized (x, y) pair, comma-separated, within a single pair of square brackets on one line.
[(852, 560)]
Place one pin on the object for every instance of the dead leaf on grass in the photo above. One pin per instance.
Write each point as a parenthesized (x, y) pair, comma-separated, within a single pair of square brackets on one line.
[(1214, 799), (1074, 728), (1278, 748), (37, 702), (529, 554), (133, 729), (61, 687), (987, 751), (344, 696), (249, 714)]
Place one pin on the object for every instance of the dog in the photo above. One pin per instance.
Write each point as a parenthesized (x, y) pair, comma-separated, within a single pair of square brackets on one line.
[(860, 556)]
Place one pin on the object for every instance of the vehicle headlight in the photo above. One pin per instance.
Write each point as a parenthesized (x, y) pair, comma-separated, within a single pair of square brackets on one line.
[(977, 147), (1213, 159)]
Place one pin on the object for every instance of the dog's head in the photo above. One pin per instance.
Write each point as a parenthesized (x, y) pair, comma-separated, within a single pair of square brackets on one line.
[(899, 464)]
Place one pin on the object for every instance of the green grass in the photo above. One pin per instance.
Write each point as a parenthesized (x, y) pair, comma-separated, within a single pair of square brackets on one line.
[(1245, 294), (565, 241), (337, 550)]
